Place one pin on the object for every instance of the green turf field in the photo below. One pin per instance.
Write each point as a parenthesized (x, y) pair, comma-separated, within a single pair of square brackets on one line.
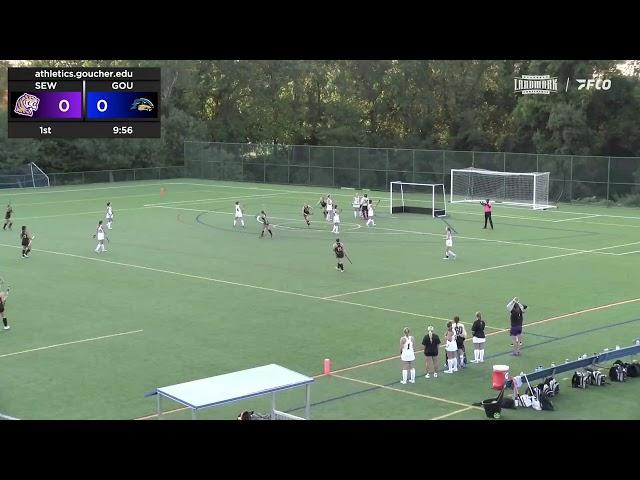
[(180, 295)]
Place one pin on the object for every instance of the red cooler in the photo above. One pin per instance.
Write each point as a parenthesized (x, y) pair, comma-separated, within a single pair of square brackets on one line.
[(500, 375)]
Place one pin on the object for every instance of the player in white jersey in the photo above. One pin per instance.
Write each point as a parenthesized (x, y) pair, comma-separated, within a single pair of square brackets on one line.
[(336, 220), (370, 214), (356, 206), (407, 355), (451, 348), (364, 201), (449, 245), (109, 215), (330, 209), (238, 215), (101, 236)]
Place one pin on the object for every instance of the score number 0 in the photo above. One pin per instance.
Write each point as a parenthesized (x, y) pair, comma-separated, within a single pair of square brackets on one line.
[(63, 105)]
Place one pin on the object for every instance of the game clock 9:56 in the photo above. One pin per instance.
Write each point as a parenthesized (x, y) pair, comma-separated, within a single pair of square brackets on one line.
[(123, 130)]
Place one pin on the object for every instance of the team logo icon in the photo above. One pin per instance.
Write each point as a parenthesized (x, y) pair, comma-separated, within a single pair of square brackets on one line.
[(142, 105), (26, 104)]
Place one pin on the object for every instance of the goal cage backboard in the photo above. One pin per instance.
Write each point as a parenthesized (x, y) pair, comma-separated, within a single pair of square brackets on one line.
[(429, 198), (514, 188)]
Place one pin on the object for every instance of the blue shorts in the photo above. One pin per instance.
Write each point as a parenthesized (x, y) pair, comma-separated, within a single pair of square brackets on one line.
[(515, 330)]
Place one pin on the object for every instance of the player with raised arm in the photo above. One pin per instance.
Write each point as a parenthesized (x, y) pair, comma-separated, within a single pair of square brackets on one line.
[(100, 235), (25, 241), (7, 218), (3, 303), (109, 215), (306, 211), (340, 251), (262, 218), (336, 220), (488, 207), (449, 245), (370, 214), (238, 215)]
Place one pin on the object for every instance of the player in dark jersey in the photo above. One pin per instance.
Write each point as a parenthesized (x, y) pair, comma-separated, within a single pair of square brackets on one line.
[(25, 240), (3, 302), (323, 204), (306, 211), (7, 218), (339, 250), (265, 224)]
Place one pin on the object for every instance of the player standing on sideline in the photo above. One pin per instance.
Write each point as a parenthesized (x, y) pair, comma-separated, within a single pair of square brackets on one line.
[(407, 355), (431, 342), (516, 310), (323, 204), (306, 211), (3, 302), (340, 251), (101, 236), (461, 335), (336, 220), (487, 213), (449, 245), (364, 201), (451, 347), (477, 329), (25, 240), (370, 214), (238, 215), (7, 218), (109, 215), (265, 224)]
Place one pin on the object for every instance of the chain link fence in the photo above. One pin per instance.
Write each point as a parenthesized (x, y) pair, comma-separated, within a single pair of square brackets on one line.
[(120, 175), (572, 178)]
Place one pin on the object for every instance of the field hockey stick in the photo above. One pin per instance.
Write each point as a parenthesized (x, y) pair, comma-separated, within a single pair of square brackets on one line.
[(377, 203), (448, 224), (348, 258)]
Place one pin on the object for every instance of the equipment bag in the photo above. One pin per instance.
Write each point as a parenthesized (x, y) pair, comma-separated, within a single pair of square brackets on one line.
[(618, 373), (633, 369), (579, 380)]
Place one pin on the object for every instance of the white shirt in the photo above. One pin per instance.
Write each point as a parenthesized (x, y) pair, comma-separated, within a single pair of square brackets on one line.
[(100, 232), (109, 211), (370, 210), (238, 211)]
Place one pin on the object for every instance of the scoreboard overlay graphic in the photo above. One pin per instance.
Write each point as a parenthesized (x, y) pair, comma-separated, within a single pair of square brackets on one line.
[(49, 102)]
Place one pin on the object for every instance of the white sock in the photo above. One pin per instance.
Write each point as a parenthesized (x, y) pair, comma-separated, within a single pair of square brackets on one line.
[(355, 214), (454, 255), (242, 222), (450, 363), (462, 359), (103, 249), (476, 355), (98, 248), (454, 360), (404, 376), (413, 374), (482, 354)]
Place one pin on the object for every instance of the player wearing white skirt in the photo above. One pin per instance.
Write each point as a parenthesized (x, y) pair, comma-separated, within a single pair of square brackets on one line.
[(109, 215), (479, 339), (356, 206), (330, 209), (101, 236), (408, 356), (370, 214), (451, 348), (336, 220), (238, 215), (449, 245)]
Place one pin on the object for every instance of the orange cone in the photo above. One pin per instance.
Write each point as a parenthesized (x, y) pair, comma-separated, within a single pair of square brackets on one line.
[(327, 366)]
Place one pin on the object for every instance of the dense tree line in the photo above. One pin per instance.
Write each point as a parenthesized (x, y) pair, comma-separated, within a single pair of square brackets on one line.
[(436, 104)]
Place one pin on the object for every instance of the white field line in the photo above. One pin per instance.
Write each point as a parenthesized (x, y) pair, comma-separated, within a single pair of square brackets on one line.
[(468, 272), (8, 193), (574, 218), (80, 213), (407, 232), (629, 253), (455, 412), (212, 199), (70, 343)]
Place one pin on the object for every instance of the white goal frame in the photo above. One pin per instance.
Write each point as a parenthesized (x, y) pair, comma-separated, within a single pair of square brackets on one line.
[(539, 189), (435, 212)]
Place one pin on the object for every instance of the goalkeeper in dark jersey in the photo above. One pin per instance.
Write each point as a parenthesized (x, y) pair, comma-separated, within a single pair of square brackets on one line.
[(340, 252)]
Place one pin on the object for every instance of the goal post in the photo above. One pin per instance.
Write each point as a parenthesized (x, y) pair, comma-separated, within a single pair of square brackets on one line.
[(23, 176), (407, 197), (528, 189)]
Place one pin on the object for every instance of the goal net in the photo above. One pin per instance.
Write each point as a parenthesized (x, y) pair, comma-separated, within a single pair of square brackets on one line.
[(427, 198), (526, 189), (29, 175)]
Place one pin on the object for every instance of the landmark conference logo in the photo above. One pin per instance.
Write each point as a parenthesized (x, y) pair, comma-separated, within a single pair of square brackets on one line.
[(535, 84)]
